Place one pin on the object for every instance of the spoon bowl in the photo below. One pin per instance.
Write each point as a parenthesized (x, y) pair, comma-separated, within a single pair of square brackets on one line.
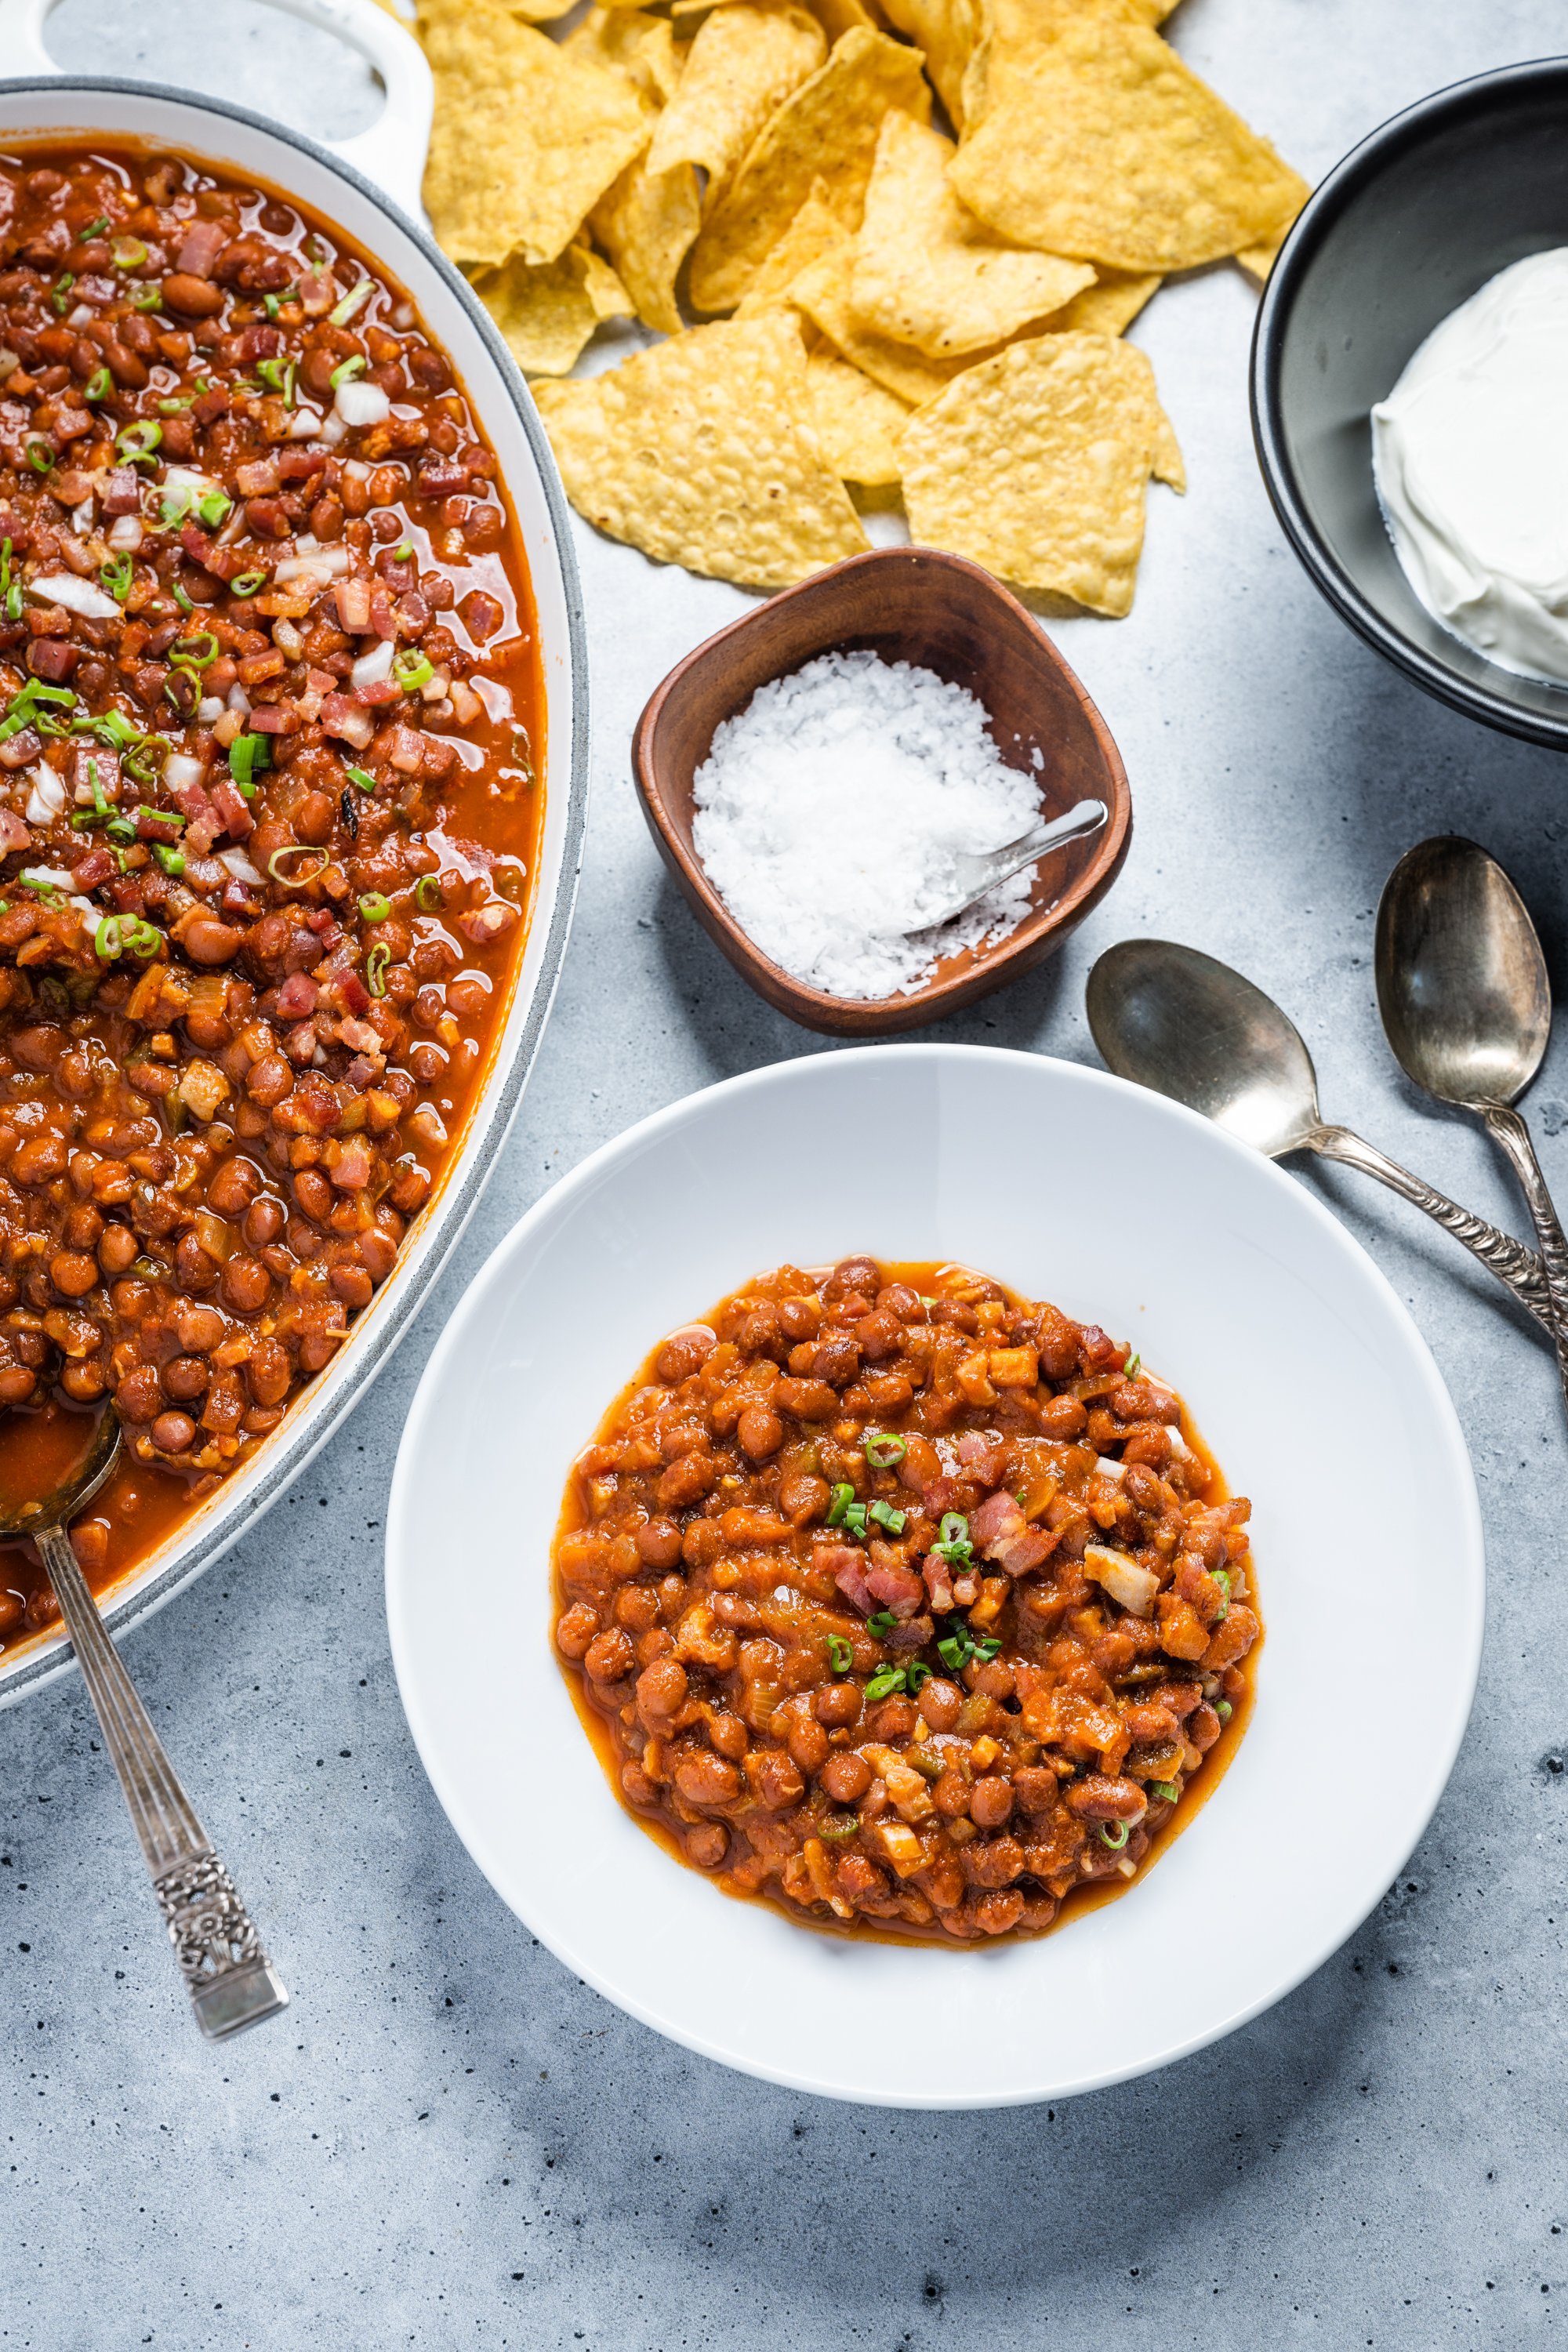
[(31, 1515), (1177, 1021), (1461, 979)]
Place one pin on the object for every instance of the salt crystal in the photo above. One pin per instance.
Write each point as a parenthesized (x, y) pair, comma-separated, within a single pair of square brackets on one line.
[(829, 811)]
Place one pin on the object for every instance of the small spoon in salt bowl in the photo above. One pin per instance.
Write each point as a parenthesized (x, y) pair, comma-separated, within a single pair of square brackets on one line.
[(974, 876)]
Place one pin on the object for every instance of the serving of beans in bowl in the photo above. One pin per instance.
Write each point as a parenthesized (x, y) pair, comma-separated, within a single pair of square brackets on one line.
[(269, 806), (907, 1604)]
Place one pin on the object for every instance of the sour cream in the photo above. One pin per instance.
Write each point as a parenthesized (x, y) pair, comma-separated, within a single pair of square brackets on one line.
[(1470, 457)]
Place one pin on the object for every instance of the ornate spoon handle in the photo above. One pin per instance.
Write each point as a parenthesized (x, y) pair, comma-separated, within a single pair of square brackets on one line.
[(230, 1980), (1519, 1267), (1510, 1131)]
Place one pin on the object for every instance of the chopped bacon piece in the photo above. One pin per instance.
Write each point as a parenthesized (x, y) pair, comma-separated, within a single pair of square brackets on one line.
[(383, 617), (203, 242), (95, 867), (938, 1578), (846, 1567), (982, 1454), (999, 1530), (353, 1171), (355, 995), (122, 491), (273, 719), (53, 658), (341, 715), (229, 802), (898, 1588), (21, 750), (13, 833), (353, 600), (151, 827)]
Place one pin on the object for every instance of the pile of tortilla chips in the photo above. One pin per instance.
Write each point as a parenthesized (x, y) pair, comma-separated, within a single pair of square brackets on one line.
[(856, 306)]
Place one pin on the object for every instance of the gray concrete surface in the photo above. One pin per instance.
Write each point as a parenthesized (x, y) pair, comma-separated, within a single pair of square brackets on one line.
[(450, 2141)]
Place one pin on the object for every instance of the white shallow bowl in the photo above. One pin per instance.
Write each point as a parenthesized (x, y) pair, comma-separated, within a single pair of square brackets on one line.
[(1306, 1376)]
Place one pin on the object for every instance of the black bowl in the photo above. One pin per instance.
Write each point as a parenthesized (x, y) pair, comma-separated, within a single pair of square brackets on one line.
[(1412, 224)]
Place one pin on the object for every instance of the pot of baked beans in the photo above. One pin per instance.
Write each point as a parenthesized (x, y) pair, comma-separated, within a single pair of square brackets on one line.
[(293, 737)]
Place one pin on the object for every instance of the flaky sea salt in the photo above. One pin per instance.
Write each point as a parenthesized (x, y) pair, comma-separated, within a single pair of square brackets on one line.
[(828, 812)]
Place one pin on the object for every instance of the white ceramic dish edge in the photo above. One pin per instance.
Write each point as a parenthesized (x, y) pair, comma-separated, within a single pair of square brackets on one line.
[(1341, 1920)]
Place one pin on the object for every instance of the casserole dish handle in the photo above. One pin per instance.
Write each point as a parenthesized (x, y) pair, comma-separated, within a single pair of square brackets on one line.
[(391, 152)]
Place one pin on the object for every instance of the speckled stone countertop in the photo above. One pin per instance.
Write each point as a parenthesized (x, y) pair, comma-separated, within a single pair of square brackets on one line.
[(449, 2141)]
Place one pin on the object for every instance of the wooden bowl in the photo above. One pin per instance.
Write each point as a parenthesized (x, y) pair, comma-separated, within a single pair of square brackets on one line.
[(915, 604)]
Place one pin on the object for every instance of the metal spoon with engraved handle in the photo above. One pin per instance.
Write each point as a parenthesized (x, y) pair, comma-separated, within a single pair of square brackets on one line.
[(1171, 1019), (974, 875), (1467, 1006), (231, 1982)]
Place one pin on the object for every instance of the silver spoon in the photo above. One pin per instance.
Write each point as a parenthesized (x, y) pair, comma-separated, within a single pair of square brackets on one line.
[(1189, 1027), (228, 1977), (974, 875), (1467, 1006)]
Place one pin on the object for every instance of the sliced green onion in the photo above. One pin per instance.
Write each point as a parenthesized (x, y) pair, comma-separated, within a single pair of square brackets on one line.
[(366, 782), (884, 1451), (886, 1517), (163, 817), (116, 575), (954, 1651), (144, 939), (403, 551), (24, 706), (917, 1673), (175, 508), (1223, 1580), (59, 292), (97, 229), (144, 762), (1129, 1368), (881, 1624), (953, 1542), (242, 762), (840, 1654), (842, 1496), (183, 689), (128, 253), (839, 1826), (99, 385), (1223, 1709), (180, 597), (110, 938), (148, 298), (297, 849), (280, 374), (176, 407), (134, 444), (38, 453), (353, 300), (373, 907), (248, 583), (427, 897), (120, 828), (1165, 1790), (195, 653), (885, 1682), (348, 371), (215, 508), (1113, 1835), (987, 1650), (376, 965), (412, 671), (173, 861)]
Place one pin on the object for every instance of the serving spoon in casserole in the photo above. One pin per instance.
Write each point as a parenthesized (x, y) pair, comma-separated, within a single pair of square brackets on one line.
[(230, 1980)]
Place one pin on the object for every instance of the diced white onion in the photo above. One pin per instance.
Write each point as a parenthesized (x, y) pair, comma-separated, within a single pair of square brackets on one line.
[(323, 563), (287, 640), (333, 431), (180, 771), (362, 404), (239, 864), (126, 534), (82, 516), (1114, 1471), (91, 916), (306, 424), (357, 469), (210, 708), (187, 478), (76, 595), (48, 796), (82, 316), (1125, 1580), (9, 362), (52, 875), (1179, 1446), (372, 667), (238, 699)]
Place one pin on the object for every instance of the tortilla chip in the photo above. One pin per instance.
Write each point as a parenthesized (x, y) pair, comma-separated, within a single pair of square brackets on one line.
[(1258, 260), (1086, 134), (944, 30), (1034, 463), (701, 452), (647, 223), (526, 137), (823, 292), (926, 272), (837, 17), (549, 312), (743, 64), (858, 422), (826, 130), (629, 41), (1108, 307), (815, 230)]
